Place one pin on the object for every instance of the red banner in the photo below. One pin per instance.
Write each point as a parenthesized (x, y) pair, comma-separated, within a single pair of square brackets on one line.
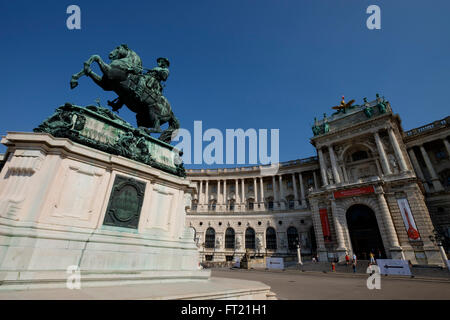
[(353, 192), (325, 225)]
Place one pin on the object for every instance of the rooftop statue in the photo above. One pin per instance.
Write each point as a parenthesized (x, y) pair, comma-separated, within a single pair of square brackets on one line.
[(141, 92)]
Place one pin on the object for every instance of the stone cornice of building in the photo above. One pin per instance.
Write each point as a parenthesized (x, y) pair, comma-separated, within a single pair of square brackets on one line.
[(429, 132), (258, 214), (287, 167), (342, 134), (388, 181)]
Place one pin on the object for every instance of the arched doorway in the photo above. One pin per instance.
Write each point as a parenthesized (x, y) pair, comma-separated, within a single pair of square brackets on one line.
[(364, 232)]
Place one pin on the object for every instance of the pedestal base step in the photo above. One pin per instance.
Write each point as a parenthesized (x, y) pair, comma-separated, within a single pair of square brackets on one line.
[(212, 289)]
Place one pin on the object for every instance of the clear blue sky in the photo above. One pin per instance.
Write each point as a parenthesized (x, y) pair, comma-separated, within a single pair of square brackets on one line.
[(234, 64)]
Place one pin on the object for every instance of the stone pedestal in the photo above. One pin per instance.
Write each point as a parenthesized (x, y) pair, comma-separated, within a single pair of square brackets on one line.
[(63, 204)]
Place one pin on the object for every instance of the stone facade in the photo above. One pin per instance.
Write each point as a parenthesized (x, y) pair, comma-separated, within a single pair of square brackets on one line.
[(365, 163)]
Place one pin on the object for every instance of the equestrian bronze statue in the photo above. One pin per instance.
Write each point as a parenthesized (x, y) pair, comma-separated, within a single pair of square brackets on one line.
[(141, 92)]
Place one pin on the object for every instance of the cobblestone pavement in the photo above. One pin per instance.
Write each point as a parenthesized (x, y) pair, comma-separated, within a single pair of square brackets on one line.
[(298, 285)]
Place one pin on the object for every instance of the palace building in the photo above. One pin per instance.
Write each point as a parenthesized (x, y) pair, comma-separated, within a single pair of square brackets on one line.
[(371, 188)]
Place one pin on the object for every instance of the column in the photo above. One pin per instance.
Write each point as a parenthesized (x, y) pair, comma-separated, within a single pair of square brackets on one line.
[(344, 172), (255, 191), (200, 194), (302, 189), (316, 185), (261, 193), (397, 150), (275, 193), (382, 153), (219, 200), (434, 178), (243, 194), (236, 192), (389, 227), (281, 197), (418, 169), (337, 179), (447, 146), (338, 229), (294, 185), (206, 195), (225, 194), (321, 249), (323, 167)]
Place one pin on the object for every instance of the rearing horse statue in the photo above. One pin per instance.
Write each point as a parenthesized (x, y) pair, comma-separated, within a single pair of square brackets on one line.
[(141, 93)]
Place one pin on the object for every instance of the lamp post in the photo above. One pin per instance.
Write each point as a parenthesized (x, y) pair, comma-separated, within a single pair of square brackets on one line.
[(299, 254), (437, 239)]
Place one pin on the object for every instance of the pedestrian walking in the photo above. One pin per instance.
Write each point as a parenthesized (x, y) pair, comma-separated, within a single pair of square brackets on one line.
[(347, 259), (354, 258), (354, 266), (372, 258), (333, 266)]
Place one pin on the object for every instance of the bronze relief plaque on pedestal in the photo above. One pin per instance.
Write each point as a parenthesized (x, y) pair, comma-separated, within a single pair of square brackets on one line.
[(125, 203)]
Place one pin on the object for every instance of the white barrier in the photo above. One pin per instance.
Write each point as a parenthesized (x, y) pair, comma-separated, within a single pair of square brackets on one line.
[(394, 267), (274, 263)]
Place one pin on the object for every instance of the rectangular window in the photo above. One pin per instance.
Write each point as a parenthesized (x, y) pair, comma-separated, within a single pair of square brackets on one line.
[(270, 205), (250, 188), (250, 205), (289, 184), (269, 186), (228, 258), (209, 257)]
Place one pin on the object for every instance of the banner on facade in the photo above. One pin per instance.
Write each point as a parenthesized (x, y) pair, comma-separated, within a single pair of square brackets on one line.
[(394, 267), (353, 192), (325, 225), (408, 219), (274, 263)]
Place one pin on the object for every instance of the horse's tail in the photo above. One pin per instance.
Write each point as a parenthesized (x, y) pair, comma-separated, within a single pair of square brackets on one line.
[(174, 124)]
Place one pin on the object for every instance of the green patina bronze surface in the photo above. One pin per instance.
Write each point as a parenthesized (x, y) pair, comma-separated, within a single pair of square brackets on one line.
[(125, 203), (141, 92), (101, 129)]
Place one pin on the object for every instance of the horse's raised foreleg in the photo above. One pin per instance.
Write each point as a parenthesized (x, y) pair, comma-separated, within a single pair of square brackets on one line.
[(86, 71), (75, 77)]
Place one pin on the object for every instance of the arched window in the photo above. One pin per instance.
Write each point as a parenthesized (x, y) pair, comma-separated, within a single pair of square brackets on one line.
[(231, 204), (212, 205), (269, 202), (250, 204), (359, 155), (271, 239), (229, 238), (194, 205), (249, 238), (292, 235), (210, 238)]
